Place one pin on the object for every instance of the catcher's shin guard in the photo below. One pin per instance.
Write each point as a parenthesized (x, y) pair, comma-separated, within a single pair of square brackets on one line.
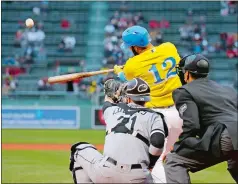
[(79, 175)]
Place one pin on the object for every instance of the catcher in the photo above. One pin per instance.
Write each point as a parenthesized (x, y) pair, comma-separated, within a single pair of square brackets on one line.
[(134, 139), (156, 66)]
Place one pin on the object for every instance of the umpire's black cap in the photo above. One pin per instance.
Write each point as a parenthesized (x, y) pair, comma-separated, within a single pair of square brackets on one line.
[(138, 90), (195, 63)]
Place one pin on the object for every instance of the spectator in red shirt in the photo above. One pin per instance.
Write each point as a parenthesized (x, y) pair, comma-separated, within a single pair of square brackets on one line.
[(164, 24), (65, 24), (154, 24)]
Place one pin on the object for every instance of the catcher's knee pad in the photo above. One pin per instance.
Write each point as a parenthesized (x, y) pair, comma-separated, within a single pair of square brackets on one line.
[(78, 147), (81, 146)]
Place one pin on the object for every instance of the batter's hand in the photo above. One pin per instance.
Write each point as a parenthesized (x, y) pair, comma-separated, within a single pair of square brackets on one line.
[(118, 69)]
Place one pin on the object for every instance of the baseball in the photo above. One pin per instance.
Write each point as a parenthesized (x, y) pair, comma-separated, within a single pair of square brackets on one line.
[(29, 23)]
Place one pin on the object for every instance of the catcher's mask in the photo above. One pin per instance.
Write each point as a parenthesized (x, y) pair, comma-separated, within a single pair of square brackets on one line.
[(196, 64), (111, 87)]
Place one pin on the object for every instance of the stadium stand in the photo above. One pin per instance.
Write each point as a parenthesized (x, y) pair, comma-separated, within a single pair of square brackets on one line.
[(85, 21)]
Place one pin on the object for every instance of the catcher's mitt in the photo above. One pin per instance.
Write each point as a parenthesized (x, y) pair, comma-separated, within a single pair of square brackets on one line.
[(111, 89)]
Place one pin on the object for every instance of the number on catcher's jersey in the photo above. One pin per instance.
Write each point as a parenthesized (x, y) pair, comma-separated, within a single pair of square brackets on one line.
[(133, 121)]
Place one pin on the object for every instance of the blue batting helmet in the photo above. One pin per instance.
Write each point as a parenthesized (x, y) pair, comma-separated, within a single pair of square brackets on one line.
[(135, 36)]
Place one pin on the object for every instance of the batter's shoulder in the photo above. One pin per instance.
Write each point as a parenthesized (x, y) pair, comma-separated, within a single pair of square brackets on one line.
[(167, 45)]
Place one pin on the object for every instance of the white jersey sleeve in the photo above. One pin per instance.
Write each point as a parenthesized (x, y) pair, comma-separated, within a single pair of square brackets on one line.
[(156, 124)]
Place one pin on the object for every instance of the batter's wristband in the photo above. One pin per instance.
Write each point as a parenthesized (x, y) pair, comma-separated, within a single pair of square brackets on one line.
[(121, 76)]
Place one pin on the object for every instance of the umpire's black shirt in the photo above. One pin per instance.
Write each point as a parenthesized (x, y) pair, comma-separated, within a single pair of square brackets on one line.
[(206, 109)]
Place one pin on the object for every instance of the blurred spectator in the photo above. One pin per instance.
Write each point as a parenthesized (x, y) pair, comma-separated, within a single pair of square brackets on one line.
[(44, 7), (10, 61), (82, 65), (224, 8), (65, 24), (159, 38), (230, 40), (29, 54), (217, 47), (10, 84), (34, 44), (232, 50), (76, 85), (43, 85), (109, 28), (19, 36), (197, 29), (36, 11), (31, 35), (197, 48), (185, 33), (229, 44), (14, 71), (31, 41), (189, 15), (67, 43), (40, 34), (36, 35), (123, 23), (193, 34), (153, 24), (223, 37), (228, 7), (205, 46), (139, 18), (164, 24), (118, 22), (232, 7), (92, 88), (156, 36)]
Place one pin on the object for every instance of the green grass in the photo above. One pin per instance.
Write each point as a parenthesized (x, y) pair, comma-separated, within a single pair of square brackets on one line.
[(35, 167), (215, 174), (52, 136), (52, 166)]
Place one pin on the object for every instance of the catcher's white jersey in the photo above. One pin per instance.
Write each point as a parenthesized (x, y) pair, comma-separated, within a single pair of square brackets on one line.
[(126, 148), (126, 154)]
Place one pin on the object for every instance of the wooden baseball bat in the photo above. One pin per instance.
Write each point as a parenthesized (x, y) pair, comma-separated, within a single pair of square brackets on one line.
[(73, 76)]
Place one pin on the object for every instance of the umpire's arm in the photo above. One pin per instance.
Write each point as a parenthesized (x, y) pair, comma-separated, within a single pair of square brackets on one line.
[(188, 111)]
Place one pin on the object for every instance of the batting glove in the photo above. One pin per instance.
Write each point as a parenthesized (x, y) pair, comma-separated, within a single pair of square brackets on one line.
[(118, 69)]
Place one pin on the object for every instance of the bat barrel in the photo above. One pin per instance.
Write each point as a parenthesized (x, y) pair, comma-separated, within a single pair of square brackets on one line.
[(74, 76), (62, 78)]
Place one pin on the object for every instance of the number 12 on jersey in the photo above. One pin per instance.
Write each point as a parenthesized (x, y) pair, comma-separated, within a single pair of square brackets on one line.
[(170, 73)]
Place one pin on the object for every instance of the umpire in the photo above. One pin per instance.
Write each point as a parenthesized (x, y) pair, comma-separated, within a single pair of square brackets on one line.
[(209, 113)]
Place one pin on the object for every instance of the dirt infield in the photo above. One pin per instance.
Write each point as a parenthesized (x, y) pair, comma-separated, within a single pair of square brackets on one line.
[(62, 147)]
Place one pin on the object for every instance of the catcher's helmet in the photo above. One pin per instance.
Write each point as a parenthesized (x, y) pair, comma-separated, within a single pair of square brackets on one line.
[(194, 63), (138, 90), (135, 36)]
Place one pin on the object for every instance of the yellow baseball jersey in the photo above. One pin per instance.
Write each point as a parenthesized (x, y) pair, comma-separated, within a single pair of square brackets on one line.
[(156, 66)]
